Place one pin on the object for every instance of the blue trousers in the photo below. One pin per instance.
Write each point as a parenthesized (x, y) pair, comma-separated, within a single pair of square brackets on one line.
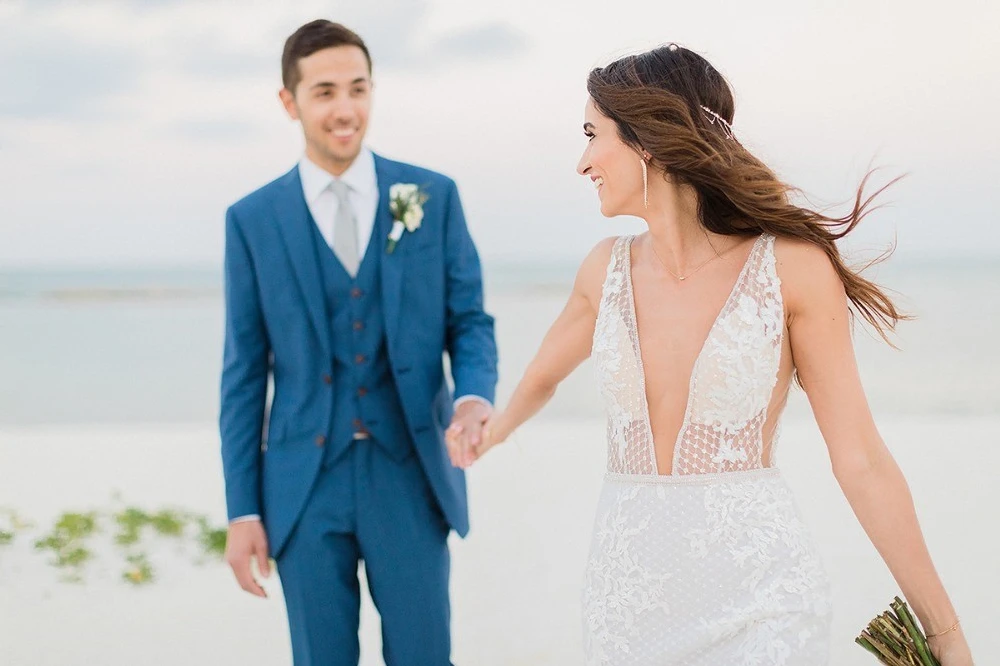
[(367, 507)]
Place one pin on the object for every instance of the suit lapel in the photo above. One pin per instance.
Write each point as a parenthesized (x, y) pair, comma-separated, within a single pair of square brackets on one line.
[(294, 223), (391, 265)]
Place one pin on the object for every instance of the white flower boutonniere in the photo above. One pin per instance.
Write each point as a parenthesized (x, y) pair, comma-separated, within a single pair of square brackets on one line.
[(406, 203)]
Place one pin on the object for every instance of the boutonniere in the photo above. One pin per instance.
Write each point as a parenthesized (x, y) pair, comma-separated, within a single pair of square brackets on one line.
[(406, 203)]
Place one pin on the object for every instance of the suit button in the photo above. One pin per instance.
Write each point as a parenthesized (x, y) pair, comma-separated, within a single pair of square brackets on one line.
[(356, 293), (360, 358), (320, 440), (358, 326), (327, 379), (358, 424), (362, 391)]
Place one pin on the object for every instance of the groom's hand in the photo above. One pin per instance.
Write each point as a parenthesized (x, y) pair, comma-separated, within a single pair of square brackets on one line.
[(247, 540), (466, 432)]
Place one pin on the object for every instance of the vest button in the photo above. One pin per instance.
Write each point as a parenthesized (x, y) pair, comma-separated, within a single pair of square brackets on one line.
[(359, 359), (362, 391), (358, 425), (358, 325), (320, 440), (356, 293), (327, 379)]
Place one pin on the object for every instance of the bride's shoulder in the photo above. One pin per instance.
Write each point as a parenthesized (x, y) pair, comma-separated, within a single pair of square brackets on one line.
[(599, 257), (603, 249), (590, 276), (796, 256), (806, 272)]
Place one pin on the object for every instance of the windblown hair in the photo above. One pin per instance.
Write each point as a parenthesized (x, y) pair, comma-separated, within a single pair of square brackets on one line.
[(657, 101)]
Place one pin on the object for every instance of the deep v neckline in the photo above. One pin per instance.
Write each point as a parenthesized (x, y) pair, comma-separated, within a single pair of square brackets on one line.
[(640, 364)]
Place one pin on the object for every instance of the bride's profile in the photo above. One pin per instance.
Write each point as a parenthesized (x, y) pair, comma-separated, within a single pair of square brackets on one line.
[(698, 328)]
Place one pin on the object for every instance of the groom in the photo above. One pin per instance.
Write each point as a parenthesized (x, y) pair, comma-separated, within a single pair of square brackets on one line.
[(348, 464)]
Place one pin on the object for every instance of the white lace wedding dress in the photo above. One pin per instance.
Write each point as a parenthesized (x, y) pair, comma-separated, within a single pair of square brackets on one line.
[(710, 565)]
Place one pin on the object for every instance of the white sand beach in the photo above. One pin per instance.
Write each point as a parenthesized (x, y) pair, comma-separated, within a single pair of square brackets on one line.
[(516, 579)]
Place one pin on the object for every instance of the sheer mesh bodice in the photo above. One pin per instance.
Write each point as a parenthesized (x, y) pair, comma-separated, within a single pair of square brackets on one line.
[(710, 565), (731, 383)]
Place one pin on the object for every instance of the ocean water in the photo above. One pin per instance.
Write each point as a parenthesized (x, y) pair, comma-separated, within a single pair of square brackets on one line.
[(144, 346)]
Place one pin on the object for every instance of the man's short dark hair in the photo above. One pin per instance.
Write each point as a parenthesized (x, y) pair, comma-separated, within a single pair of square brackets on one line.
[(310, 38)]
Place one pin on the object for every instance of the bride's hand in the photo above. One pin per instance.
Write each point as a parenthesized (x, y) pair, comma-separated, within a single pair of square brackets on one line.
[(466, 430), (488, 440), (951, 649), (464, 453)]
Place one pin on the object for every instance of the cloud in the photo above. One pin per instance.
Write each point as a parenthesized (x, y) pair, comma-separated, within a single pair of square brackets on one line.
[(45, 74), (210, 60), (394, 50), (391, 29), (126, 4), (490, 40), (396, 33), (206, 129), (66, 60)]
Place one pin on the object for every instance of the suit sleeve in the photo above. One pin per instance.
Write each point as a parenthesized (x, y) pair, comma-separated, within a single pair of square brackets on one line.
[(244, 377), (470, 336)]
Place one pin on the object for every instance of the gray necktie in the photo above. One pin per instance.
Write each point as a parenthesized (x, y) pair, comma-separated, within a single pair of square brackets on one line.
[(345, 230)]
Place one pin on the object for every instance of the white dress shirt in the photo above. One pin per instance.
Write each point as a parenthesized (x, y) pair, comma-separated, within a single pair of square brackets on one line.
[(362, 184)]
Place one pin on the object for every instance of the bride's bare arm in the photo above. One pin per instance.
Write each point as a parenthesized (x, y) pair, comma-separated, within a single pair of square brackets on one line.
[(566, 345), (822, 348)]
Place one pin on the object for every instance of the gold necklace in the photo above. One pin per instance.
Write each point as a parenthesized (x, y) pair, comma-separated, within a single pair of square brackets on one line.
[(681, 278)]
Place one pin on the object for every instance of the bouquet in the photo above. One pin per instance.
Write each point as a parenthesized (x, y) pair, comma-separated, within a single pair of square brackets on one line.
[(895, 638)]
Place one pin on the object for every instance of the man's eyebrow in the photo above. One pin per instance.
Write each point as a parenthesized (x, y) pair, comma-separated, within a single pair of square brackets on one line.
[(331, 84)]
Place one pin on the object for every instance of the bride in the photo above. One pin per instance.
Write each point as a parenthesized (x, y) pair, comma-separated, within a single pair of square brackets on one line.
[(698, 328)]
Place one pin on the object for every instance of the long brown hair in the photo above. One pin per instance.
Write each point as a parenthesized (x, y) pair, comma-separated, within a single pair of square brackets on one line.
[(657, 100)]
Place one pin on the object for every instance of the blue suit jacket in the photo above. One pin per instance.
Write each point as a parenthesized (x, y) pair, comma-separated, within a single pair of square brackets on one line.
[(432, 300)]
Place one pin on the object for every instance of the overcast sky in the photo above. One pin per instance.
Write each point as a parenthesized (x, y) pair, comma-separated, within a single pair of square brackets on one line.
[(127, 127)]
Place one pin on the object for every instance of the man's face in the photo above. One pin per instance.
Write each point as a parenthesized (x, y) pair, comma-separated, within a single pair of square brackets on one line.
[(332, 101)]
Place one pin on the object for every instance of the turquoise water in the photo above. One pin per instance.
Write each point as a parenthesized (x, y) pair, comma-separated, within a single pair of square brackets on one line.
[(145, 345)]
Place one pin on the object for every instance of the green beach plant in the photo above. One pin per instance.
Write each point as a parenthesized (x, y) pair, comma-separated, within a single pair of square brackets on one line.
[(139, 570), (211, 539), (10, 525), (67, 541), (71, 540)]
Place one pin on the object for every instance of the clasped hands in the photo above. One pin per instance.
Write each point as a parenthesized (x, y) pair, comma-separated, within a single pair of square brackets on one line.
[(471, 434)]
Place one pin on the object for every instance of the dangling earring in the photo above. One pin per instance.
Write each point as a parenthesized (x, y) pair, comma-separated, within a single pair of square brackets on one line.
[(645, 184)]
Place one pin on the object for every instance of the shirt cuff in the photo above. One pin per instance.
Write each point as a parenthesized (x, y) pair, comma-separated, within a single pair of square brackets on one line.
[(245, 519), (468, 398)]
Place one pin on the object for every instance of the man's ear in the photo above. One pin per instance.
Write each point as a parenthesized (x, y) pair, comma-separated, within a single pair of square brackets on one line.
[(288, 101)]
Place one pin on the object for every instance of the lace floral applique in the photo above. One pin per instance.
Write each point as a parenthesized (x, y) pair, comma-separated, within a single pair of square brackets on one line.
[(619, 585), (756, 525)]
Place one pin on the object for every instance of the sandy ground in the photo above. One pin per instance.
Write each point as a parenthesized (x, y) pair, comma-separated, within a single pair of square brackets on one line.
[(516, 579)]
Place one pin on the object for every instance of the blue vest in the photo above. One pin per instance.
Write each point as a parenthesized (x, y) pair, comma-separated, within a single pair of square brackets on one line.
[(365, 397)]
